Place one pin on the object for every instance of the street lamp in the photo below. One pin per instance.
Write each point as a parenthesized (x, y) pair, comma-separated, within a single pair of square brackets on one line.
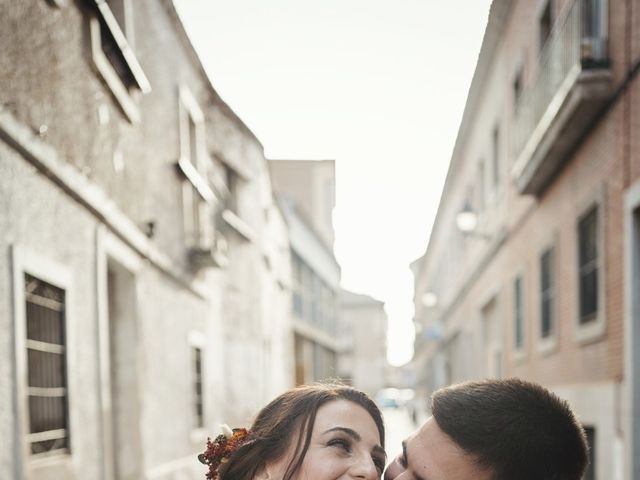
[(429, 299), (467, 222)]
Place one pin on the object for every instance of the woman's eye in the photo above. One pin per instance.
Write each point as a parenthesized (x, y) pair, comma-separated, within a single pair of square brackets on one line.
[(340, 443), (379, 464)]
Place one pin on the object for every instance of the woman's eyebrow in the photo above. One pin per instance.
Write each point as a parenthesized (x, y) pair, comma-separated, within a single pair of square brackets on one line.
[(352, 433), (356, 436)]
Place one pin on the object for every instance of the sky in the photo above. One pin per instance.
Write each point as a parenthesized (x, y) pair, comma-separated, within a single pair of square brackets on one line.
[(377, 85)]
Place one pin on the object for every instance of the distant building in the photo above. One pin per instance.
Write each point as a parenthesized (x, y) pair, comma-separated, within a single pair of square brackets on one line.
[(306, 191), (545, 177), (144, 264), (363, 339)]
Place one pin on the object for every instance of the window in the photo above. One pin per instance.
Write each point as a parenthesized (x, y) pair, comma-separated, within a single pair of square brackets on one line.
[(517, 90), (546, 294), (307, 292), (329, 300), (545, 24), (481, 183), (198, 404), (496, 157), (48, 415), (197, 196), (316, 300), (590, 473), (297, 284), (58, 3), (231, 180), (122, 13), (518, 313), (588, 266), (111, 39)]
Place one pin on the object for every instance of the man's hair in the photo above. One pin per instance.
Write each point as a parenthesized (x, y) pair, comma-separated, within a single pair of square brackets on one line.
[(288, 422), (517, 429)]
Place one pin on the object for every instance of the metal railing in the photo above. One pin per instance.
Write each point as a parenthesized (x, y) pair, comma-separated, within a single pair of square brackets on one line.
[(578, 41)]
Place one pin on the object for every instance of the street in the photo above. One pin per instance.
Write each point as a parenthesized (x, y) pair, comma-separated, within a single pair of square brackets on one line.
[(398, 426)]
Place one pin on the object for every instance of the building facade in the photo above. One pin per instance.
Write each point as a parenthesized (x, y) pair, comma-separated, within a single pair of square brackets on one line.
[(306, 192), (140, 246), (362, 330), (544, 181)]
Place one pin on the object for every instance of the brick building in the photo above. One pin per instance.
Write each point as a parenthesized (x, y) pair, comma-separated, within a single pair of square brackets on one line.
[(544, 180), (144, 264)]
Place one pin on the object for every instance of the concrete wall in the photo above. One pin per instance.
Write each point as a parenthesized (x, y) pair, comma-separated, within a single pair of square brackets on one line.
[(79, 183)]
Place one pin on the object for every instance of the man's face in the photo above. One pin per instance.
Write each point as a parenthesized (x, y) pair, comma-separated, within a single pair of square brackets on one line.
[(430, 454)]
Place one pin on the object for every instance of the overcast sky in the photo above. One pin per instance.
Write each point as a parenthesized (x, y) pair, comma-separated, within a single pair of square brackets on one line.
[(377, 85)]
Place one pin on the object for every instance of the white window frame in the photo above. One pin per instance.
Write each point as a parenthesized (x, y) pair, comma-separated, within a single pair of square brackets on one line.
[(27, 262), (196, 339), (595, 329), (125, 97), (195, 176)]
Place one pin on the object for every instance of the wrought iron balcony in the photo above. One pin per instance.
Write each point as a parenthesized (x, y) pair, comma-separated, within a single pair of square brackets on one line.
[(572, 85)]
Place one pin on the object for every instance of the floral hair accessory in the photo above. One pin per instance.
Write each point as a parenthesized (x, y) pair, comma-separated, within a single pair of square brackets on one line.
[(219, 450)]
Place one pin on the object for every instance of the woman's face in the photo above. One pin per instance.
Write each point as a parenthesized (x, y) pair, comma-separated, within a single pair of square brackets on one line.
[(345, 444)]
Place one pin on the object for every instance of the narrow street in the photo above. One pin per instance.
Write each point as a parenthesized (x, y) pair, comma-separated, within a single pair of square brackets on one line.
[(398, 426)]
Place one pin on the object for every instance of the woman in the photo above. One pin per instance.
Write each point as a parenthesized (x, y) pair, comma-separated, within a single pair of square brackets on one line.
[(313, 432)]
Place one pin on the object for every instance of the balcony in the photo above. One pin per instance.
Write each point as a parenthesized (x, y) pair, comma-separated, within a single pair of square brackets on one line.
[(572, 86)]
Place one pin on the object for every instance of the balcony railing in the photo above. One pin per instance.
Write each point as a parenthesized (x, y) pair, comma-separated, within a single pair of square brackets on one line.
[(573, 74)]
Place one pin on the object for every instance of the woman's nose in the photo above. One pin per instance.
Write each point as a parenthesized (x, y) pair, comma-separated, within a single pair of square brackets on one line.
[(366, 469)]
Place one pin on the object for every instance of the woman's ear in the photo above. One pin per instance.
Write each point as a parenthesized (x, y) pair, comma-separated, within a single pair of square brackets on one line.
[(263, 474), (272, 471)]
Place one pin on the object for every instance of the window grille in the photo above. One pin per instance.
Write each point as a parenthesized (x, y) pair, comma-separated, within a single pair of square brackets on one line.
[(46, 368), (198, 410), (546, 293), (588, 255)]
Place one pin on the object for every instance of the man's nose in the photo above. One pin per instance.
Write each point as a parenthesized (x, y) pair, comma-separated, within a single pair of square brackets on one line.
[(393, 470)]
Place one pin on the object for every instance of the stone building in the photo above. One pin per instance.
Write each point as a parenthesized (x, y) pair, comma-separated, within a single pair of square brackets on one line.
[(144, 262), (545, 181), (362, 330), (306, 191)]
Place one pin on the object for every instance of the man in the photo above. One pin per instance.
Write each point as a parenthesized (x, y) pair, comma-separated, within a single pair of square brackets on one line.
[(494, 430)]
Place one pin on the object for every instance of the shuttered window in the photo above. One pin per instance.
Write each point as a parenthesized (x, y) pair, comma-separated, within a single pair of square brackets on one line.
[(46, 367), (198, 404), (588, 255), (546, 294)]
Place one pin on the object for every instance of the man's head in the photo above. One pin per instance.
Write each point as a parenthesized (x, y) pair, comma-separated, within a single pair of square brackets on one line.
[(494, 430)]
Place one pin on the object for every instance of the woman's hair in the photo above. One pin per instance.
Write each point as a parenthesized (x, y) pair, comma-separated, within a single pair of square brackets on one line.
[(288, 421)]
